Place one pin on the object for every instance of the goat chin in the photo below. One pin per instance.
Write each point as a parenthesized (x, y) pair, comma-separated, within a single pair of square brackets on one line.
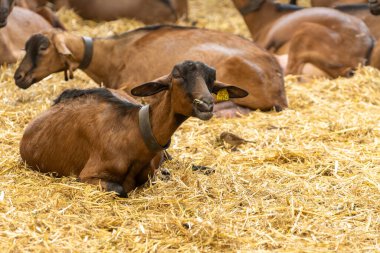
[(202, 115)]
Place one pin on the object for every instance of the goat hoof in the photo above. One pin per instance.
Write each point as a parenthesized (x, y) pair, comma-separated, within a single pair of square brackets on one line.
[(118, 189), (167, 156), (165, 172)]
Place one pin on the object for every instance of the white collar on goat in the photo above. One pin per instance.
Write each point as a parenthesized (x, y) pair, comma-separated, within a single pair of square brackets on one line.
[(87, 57), (147, 133)]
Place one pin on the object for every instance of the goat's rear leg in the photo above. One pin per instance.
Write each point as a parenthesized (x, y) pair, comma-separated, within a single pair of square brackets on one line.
[(314, 45), (229, 109)]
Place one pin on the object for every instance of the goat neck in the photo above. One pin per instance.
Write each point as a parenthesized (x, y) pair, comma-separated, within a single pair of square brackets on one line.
[(163, 119), (103, 62), (257, 19)]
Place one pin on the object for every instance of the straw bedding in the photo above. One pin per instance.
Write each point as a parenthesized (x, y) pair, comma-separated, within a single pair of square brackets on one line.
[(309, 180)]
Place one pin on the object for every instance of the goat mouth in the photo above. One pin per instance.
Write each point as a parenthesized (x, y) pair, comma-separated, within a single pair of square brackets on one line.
[(202, 115), (202, 109)]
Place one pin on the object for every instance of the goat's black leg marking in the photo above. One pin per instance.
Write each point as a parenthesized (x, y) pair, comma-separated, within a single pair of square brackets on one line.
[(115, 187)]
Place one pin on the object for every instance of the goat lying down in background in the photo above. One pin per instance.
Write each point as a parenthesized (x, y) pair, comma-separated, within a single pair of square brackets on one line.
[(332, 42), (16, 26), (7, 6), (104, 137), (147, 11), (145, 53)]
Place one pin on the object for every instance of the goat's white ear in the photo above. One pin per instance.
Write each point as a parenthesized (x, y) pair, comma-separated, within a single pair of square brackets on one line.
[(60, 45), (226, 91), (149, 89)]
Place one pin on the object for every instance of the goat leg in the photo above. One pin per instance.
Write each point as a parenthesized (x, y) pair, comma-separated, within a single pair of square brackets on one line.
[(106, 185)]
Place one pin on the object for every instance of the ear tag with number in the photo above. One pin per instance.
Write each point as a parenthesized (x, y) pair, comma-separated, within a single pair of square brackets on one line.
[(222, 95)]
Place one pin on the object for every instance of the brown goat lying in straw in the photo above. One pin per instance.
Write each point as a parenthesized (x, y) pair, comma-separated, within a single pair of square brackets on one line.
[(15, 30), (41, 9), (362, 12), (17, 25), (143, 54), (111, 140), (6, 7), (332, 41), (147, 11)]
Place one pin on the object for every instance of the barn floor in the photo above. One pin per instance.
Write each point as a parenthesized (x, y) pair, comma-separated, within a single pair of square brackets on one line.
[(308, 182)]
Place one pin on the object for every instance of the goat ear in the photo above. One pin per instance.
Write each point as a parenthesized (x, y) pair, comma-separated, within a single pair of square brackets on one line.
[(233, 91), (151, 88), (60, 45)]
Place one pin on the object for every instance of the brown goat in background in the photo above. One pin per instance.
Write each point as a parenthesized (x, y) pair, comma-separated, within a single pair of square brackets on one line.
[(331, 41), (147, 11), (143, 54), (17, 28)]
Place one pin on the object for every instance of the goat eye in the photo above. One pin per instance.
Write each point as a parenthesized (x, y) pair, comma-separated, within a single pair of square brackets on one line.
[(43, 47), (176, 74)]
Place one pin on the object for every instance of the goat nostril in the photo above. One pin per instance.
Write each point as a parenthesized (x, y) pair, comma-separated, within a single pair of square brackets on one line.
[(351, 73), (203, 106), (19, 76)]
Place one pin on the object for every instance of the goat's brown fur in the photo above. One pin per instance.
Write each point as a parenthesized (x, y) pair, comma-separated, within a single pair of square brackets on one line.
[(274, 27), (147, 11), (362, 12), (95, 135), (143, 54), (21, 24), (38, 7)]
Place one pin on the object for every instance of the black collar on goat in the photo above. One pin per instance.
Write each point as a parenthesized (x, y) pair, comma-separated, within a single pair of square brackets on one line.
[(87, 57), (147, 133)]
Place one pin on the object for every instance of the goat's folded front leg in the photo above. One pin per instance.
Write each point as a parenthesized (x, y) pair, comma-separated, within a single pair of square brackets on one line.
[(94, 173), (106, 185)]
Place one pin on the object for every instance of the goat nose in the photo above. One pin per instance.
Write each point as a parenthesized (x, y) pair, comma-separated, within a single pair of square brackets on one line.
[(19, 76), (204, 105)]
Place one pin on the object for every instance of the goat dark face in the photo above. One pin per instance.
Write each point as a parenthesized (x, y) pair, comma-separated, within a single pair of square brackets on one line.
[(44, 56), (190, 84), (6, 7)]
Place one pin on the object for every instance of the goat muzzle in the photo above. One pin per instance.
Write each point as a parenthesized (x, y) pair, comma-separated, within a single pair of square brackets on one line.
[(202, 109), (23, 79)]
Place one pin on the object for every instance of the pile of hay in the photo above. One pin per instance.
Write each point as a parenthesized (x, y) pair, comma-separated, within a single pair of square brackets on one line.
[(309, 180)]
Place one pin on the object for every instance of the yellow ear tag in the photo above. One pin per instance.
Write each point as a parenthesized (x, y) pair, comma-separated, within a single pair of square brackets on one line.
[(222, 95)]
